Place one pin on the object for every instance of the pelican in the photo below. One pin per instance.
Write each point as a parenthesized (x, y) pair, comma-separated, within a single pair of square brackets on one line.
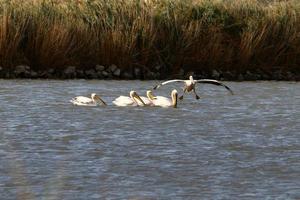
[(189, 85), (86, 101), (133, 100), (164, 101), (148, 100)]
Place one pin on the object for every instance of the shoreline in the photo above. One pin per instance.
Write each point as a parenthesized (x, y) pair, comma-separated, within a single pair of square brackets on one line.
[(113, 72)]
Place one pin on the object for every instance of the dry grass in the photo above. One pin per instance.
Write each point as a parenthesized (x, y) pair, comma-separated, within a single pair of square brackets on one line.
[(190, 34)]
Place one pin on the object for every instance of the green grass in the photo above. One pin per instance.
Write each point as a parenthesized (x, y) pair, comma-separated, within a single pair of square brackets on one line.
[(190, 34)]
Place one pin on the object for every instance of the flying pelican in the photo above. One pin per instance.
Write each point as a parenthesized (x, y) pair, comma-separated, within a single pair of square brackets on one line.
[(133, 100), (86, 101), (189, 85), (164, 101)]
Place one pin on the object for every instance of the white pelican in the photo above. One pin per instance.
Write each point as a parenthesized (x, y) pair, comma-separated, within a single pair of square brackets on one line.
[(189, 85), (133, 100), (86, 101), (164, 101), (148, 100)]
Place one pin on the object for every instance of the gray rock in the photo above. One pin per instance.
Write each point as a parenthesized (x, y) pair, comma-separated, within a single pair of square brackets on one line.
[(215, 74), (228, 75), (127, 75), (137, 72), (117, 73), (157, 75), (105, 74), (33, 74), (91, 73), (51, 71), (240, 77), (157, 67), (22, 71), (150, 75), (22, 68), (289, 75), (181, 73), (70, 72), (277, 75), (99, 75), (99, 68), (112, 68), (9, 75), (80, 74)]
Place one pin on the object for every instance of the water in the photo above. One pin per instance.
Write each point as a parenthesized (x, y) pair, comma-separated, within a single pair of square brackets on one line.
[(245, 146)]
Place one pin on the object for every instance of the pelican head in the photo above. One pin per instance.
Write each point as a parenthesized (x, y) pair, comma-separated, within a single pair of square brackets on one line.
[(96, 98), (191, 78), (174, 96), (150, 95), (136, 97)]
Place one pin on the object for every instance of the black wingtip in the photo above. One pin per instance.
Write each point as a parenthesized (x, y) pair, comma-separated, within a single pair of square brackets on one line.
[(231, 92), (155, 87)]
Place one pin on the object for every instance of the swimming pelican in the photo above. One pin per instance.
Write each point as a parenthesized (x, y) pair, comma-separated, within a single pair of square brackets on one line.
[(148, 100), (133, 100), (189, 85), (95, 100), (164, 101)]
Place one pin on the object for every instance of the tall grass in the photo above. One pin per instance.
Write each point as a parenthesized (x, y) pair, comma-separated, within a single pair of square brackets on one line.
[(190, 34)]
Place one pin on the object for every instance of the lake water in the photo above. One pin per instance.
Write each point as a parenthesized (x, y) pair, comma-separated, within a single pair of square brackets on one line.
[(242, 146)]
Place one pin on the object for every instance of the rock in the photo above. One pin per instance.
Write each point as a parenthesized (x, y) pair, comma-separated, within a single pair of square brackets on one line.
[(117, 73), (240, 77), (127, 75), (91, 73), (105, 74), (99, 68), (289, 76), (99, 75), (215, 74), (9, 75), (277, 75), (51, 71), (157, 76), (250, 76), (80, 74), (137, 72), (228, 76), (1, 72), (22, 71), (70, 72), (22, 68), (158, 67), (150, 75), (33, 74), (181, 73), (112, 68)]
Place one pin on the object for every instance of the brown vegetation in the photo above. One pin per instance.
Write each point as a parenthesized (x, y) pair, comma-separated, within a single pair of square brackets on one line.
[(196, 35)]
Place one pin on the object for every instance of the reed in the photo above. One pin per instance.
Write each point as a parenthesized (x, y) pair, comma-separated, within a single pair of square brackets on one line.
[(191, 34)]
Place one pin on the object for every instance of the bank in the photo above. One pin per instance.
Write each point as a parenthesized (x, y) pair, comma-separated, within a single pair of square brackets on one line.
[(113, 72)]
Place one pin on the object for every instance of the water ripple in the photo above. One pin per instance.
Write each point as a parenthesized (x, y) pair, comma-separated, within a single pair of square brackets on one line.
[(244, 146)]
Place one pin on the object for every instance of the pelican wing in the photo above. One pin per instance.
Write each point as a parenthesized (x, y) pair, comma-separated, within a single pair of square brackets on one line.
[(123, 101), (214, 82), (82, 99), (166, 82), (162, 101)]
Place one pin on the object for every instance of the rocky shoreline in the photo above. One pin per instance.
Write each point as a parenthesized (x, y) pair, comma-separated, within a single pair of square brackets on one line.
[(113, 72)]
